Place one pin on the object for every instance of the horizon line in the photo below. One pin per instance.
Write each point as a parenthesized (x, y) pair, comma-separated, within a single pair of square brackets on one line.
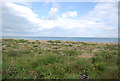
[(61, 36)]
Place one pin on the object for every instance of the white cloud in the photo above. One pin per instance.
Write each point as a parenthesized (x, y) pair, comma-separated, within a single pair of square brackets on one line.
[(52, 14), (19, 18), (53, 10), (23, 11), (70, 14), (60, 1), (104, 11)]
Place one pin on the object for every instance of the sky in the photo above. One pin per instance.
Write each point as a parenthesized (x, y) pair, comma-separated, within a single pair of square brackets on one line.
[(60, 19)]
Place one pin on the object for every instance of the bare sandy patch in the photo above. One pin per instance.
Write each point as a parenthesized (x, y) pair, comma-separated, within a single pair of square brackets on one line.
[(86, 56), (42, 41)]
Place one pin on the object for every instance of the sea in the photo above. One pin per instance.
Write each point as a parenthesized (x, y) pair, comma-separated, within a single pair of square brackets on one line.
[(81, 39)]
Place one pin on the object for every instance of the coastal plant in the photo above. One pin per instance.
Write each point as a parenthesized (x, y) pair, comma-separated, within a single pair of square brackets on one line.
[(12, 53), (62, 62), (37, 42), (13, 72), (35, 46), (34, 64), (100, 66), (33, 42), (25, 51), (54, 42), (111, 47), (22, 41), (71, 52), (46, 59), (50, 41)]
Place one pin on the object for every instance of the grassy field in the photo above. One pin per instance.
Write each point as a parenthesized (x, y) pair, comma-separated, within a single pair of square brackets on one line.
[(28, 59)]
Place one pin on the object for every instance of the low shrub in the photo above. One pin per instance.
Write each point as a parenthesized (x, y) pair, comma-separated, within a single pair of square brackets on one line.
[(61, 62), (12, 53), (45, 60), (48, 59), (25, 51), (100, 66), (13, 72), (22, 41), (71, 52)]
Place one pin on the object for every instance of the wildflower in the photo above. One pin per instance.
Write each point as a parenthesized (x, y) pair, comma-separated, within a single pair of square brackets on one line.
[(97, 64), (93, 68)]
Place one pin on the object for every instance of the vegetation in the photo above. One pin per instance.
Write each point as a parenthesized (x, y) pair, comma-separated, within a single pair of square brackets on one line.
[(24, 59)]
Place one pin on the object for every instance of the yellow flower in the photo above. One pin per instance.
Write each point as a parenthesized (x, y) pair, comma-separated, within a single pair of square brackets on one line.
[(97, 64)]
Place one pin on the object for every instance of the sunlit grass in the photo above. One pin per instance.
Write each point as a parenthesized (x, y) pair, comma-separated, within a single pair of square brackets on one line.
[(23, 59)]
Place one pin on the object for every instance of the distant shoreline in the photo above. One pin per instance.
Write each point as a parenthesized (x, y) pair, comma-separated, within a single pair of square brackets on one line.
[(31, 40), (60, 37), (80, 39)]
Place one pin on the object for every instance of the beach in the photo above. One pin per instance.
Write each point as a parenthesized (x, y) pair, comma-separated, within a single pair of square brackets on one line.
[(59, 40), (55, 59)]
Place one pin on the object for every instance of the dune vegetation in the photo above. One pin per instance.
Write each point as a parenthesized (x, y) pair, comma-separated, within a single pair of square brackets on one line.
[(54, 59)]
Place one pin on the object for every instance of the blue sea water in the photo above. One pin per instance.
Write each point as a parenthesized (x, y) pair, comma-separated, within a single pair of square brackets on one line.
[(82, 39)]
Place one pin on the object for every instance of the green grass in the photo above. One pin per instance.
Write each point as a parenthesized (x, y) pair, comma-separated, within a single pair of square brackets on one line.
[(71, 52), (23, 59)]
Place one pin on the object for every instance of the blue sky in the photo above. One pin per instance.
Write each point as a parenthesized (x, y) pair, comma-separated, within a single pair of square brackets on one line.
[(60, 19), (38, 7)]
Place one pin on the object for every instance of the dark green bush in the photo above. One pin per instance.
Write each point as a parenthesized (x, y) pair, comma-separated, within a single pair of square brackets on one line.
[(55, 41), (22, 41)]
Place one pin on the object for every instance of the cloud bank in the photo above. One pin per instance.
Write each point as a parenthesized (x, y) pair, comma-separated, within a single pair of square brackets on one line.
[(21, 20)]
